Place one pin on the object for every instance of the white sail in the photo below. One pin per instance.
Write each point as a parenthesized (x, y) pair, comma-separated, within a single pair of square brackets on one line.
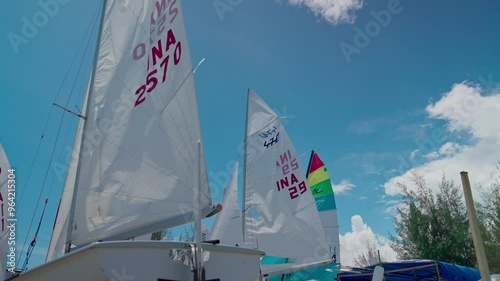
[(227, 224), (137, 166), (280, 212), (330, 223), (4, 204), (59, 232), (205, 232)]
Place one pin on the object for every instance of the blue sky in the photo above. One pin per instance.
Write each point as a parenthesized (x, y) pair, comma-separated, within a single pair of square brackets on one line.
[(422, 85)]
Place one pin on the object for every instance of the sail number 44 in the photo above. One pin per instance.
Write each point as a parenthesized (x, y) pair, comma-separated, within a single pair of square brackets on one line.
[(269, 133)]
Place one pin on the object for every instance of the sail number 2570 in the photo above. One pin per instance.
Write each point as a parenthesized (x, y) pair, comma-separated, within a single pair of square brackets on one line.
[(158, 57)]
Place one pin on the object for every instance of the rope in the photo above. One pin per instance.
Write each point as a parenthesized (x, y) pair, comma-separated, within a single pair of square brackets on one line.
[(33, 242)]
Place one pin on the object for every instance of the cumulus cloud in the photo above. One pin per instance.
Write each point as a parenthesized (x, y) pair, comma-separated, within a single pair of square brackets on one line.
[(342, 187), (466, 110), (448, 149), (333, 11), (358, 238)]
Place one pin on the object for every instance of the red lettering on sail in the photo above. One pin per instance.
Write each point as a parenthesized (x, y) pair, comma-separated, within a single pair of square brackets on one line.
[(162, 45), (292, 184), (159, 74)]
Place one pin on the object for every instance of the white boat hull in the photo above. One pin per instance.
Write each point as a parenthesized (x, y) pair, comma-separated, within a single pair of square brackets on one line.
[(145, 261)]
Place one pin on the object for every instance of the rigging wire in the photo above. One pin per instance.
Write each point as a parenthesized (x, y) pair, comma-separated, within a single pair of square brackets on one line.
[(90, 27), (51, 108), (33, 242)]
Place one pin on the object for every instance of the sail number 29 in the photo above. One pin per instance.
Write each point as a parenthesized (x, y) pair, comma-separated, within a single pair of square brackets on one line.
[(288, 165)]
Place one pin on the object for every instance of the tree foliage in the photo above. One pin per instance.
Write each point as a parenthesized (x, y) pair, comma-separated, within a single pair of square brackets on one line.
[(184, 255), (369, 257), (165, 234), (433, 225), (178, 255)]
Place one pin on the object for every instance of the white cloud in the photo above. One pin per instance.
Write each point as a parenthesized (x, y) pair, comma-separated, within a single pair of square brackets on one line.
[(450, 148), (446, 150), (466, 111), (343, 186), (334, 11), (355, 242)]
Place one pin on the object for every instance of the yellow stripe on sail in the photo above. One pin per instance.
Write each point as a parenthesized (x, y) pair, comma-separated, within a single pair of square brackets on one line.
[(318, 176)]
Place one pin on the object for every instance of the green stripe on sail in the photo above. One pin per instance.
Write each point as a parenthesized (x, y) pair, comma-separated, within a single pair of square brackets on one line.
[(321, 189)]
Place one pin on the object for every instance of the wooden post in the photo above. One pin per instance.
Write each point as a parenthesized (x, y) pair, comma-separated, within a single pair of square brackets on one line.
[(474, 226), (437, 271)]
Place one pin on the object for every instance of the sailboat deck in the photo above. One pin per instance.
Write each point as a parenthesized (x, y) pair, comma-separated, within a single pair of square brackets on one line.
[(144, 260)]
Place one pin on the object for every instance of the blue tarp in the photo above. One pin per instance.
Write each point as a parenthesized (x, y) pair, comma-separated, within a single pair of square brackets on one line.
[(421, 270)]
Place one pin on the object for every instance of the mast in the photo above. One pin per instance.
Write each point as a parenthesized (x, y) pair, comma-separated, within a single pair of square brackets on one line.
[(91, 89), (310, 162), (197, 220), (244, 209)]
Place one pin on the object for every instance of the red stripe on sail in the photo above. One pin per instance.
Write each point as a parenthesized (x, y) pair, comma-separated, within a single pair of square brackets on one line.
[(316, 163)]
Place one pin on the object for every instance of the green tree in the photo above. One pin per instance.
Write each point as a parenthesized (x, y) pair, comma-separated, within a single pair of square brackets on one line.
[(369, 257), (433, 225), (184, 255), (158, 235), (165, 234)]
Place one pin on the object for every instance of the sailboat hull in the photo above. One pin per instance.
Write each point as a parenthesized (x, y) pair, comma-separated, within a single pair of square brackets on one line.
[(145, 261)]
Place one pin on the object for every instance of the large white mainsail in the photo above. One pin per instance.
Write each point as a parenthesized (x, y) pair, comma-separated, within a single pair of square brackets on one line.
[(227, 224), (138, 157), (4, 204), (280, 214)]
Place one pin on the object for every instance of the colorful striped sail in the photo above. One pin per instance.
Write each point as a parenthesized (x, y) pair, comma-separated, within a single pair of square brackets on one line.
[(320, 184), (322, 190)]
